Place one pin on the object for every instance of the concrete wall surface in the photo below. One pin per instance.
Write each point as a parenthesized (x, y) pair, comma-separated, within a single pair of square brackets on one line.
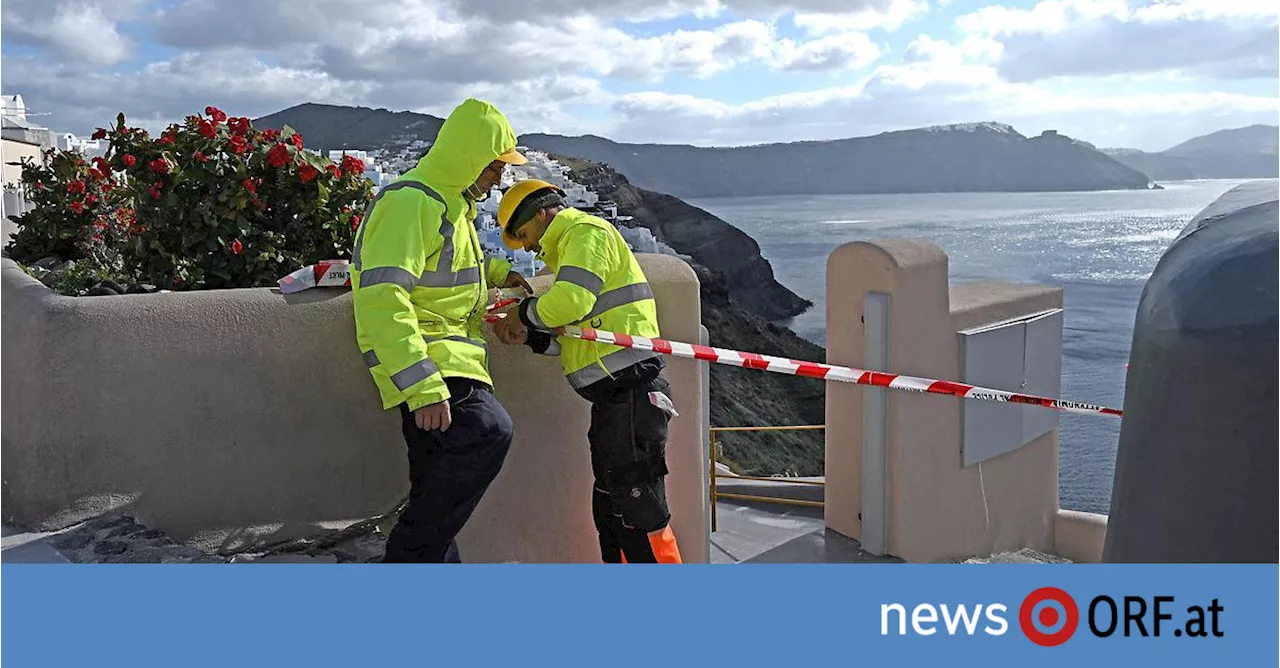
[(230, 416), (1079, 536), (937, 509)]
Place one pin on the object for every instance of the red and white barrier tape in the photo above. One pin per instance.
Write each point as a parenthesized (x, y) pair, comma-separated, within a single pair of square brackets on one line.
[(329, 273), (842, 374)]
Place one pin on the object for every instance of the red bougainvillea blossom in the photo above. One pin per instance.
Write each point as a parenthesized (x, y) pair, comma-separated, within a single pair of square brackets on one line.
[(352, 165), (236, 246), (279, 156)]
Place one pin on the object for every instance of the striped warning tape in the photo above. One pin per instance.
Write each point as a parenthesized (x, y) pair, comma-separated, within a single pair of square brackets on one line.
[(841, 374)]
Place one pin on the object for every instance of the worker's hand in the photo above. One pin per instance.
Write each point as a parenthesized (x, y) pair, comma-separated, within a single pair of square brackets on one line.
[(510, 330), (434, 416), (515, 280)]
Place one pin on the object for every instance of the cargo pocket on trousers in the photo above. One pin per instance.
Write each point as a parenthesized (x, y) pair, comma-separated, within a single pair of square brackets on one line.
[(643, 506)]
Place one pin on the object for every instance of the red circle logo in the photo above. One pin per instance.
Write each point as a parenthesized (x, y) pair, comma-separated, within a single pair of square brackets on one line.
[(1048, 616)]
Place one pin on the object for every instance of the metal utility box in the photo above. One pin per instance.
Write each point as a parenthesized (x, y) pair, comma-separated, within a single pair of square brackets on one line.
[(1021, 355)]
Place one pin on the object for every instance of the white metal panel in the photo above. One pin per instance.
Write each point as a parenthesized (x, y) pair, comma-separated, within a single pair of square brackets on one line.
[(1021, 355)]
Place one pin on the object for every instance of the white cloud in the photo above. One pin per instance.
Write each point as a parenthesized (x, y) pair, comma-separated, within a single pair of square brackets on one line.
[(82, 32), (1101, 70), (1064, 38), (889, 16)]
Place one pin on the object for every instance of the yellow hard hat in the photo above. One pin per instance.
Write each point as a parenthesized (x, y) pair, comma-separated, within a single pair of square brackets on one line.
[(512, 199)]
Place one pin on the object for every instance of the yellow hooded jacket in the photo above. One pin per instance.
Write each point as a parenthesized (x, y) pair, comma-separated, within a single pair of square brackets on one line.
[(419, 278), (598, 284)]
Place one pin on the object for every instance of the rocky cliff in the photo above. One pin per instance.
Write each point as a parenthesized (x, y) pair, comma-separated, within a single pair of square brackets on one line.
[(1237, 153), (964, 157), (970, 157)]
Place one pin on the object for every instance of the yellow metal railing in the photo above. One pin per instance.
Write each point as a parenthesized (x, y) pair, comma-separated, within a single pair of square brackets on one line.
[(751, 497)]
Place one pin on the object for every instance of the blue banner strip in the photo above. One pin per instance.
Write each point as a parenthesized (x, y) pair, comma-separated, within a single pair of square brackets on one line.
[(612, 616)]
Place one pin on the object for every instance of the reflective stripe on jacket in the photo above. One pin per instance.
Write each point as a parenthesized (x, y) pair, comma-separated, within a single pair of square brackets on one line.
[(598, 284), (417, 279)]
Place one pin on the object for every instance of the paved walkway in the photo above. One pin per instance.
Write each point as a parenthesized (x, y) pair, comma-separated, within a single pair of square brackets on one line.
[(753, 532)]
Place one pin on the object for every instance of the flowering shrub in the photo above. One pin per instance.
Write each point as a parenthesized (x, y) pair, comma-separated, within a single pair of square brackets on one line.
[(210, 203)]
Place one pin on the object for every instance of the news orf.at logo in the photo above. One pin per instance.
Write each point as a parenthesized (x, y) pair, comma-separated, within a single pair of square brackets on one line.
[(1048, 616)]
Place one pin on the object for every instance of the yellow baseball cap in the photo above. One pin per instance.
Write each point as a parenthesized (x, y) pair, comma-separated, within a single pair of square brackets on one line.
[(513, 157)]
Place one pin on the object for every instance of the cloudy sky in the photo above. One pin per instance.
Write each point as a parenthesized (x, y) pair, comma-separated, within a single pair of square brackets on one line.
[(1136, 73)]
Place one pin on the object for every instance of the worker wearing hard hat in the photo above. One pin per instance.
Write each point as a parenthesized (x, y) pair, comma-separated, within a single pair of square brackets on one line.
[(598, 283), (420, 282)]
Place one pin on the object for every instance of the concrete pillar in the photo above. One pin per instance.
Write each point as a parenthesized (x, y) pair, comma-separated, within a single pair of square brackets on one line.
[(894, 470), (1196, 465)]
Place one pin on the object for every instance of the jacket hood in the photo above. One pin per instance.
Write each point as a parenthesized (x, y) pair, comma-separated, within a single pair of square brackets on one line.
[(473, 136)]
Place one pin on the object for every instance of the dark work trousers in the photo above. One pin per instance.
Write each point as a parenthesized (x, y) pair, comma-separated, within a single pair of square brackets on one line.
[(628, 438), (449, 472)]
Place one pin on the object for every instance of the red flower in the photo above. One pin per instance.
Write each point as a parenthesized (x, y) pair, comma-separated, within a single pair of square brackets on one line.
[(352, 165), (94, 174), (100, 133), (159, 166), (355, 222), (166, 138), (236, 246), (77, 207), (307, 173), (208, 129), (39, 185), (238, 145), (297, 141), (155, 189), (76, 187), (216, 114), (128, 160), (91, 199), (102, 165), (333, 169), (279, 156), (252, 184), (239, 125), (270, 135), (100, 224), (200, 157)]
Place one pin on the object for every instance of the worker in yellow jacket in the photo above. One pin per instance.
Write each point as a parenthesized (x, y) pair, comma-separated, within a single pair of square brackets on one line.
[(420, 282), (598, 283)]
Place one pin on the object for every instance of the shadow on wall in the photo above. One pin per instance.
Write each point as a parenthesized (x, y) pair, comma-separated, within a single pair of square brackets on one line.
[(233, 416)]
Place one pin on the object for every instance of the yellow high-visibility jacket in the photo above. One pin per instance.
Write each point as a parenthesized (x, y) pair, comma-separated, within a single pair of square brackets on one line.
[(598, 284), (419, 277)]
